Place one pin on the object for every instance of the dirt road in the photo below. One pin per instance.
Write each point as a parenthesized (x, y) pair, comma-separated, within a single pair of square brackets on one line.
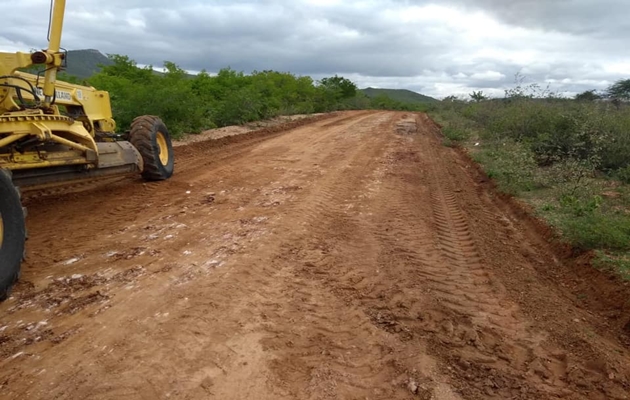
[(353, 257)]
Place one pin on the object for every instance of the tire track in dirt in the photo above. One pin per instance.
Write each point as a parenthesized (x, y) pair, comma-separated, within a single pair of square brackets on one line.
[(371, 366), (500, 346), (239, 301), (461, 308), (508, 346), (135, 200), (332, 332), (332, 351), (135, 197), (398, 247), (346, 258)]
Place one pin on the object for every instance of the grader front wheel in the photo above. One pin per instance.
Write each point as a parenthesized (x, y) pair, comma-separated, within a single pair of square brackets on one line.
[(12, 234), (150, 136)]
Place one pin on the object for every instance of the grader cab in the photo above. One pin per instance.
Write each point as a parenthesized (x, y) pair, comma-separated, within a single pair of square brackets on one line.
[(54, 133)]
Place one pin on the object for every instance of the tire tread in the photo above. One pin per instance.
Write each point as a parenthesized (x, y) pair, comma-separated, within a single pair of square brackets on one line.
[(14, 262), (143, 129)]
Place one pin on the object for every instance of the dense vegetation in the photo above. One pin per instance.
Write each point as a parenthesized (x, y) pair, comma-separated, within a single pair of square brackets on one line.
[(570, 158), (189, 104)]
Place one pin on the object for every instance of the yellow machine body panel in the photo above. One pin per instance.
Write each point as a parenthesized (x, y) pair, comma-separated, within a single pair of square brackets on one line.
[(48, 126), (94, 103), (57, 133)]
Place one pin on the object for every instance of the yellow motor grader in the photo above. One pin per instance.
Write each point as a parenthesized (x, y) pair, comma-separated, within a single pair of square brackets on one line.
[(53, 133)]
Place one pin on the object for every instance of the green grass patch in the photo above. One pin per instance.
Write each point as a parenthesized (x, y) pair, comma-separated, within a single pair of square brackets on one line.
[(597, 231), (619, 263), (455, 127)]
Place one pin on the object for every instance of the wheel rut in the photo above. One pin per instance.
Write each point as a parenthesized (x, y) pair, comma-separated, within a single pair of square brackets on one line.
[(500, 345), (349, 257)]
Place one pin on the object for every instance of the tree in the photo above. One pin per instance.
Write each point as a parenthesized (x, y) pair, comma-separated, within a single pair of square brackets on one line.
[(345, 88), (589, 95), (173, 71), (619, 90), (478, 96), (125, 67)]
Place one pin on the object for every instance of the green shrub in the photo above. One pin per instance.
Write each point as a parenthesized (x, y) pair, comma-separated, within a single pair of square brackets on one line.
[(623, 174), (554, 129), (578, 207)]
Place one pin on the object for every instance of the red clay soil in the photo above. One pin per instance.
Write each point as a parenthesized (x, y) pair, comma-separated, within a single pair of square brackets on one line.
[(347, 257)]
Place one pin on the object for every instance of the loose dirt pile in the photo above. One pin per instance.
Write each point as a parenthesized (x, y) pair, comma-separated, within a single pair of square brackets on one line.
[(234, 130)]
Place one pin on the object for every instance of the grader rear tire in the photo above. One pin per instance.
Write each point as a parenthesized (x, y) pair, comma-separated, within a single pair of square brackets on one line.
[(150, 136), (12, 234)]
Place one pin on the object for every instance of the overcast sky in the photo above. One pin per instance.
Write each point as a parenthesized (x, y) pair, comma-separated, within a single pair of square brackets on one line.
[(436, 48)]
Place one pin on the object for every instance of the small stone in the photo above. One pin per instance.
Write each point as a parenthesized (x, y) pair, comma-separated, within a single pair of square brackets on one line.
[(412, 386)]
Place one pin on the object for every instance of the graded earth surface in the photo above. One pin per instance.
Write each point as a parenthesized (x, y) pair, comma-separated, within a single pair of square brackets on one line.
[(345, 256)]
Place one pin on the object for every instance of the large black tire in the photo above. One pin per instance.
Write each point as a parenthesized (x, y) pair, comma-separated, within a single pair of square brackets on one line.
[(150, 136), (12, 233)]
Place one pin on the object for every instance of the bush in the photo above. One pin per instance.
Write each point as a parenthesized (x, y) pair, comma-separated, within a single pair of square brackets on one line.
[(623, 174), (554, 129)]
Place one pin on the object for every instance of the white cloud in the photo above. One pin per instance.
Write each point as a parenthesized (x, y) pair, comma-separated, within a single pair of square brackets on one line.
[(437, 48), (488, 76)]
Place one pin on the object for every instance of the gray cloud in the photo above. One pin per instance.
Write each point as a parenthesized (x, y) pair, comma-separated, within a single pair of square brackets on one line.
[(454, 46), (602, 18)]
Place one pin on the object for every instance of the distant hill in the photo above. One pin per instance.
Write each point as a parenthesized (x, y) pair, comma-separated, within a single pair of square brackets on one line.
[(85, 63), (402, 95)]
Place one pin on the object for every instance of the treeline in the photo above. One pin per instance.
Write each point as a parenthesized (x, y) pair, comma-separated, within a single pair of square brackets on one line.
[(190, 104)]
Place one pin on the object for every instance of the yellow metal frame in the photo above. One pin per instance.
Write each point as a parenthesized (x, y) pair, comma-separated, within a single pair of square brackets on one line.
[(45, 122), (54, 45)]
